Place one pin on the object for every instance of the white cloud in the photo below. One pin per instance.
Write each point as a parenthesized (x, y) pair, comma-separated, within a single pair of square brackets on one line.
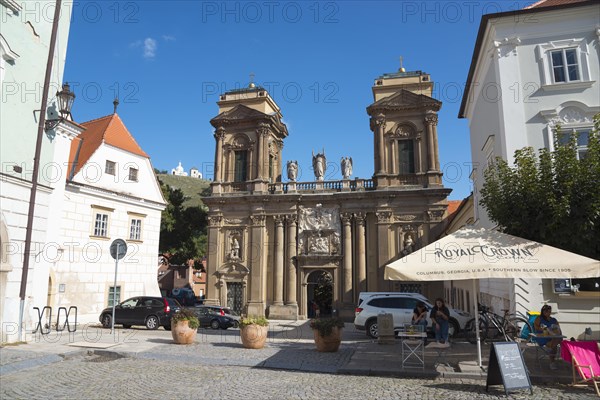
[(137, 43), (168, 38), (149, 48)]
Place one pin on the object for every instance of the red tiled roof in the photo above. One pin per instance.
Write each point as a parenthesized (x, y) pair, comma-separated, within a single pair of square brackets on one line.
[(453, 207), (110, 130), (550, 3)]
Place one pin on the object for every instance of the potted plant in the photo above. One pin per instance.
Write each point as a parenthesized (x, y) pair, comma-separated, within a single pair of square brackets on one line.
[(184, 325), (253, 331), (327, 333)]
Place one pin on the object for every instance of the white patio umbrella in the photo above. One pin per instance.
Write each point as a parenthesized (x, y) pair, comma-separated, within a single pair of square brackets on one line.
[(471, 253)]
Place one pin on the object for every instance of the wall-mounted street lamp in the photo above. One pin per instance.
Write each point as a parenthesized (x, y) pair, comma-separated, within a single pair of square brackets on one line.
[(65, 100)]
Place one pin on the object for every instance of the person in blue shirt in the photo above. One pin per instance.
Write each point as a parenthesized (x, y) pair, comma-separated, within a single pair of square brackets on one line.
[(546, 324)]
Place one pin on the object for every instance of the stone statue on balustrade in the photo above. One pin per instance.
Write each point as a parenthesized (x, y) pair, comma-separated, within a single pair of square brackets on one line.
[(292, 170), (319, 165), (346, 166)]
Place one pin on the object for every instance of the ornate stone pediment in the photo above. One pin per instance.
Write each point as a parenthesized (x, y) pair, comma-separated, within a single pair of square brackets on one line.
[(233, 268), (238, 113), (405, 100)]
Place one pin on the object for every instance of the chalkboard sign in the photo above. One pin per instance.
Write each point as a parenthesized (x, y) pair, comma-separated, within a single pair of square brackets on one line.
[(507, 368)]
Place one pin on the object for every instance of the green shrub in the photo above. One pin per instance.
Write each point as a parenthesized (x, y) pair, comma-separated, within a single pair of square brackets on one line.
[(186, 315), (261, 321), (326, 325)]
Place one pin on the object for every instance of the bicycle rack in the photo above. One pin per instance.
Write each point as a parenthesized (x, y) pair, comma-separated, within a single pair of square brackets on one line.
[(60, 328), (41, 325)]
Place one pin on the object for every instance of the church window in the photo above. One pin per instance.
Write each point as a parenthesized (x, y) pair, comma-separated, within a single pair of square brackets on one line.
[(406, 156), (240, 166)]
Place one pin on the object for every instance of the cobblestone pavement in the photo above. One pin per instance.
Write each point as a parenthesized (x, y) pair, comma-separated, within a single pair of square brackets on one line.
[(146, 365), (108, 376)]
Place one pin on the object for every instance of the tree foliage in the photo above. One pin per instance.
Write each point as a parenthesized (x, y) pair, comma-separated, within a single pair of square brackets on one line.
[(552, 198), (182, 230)]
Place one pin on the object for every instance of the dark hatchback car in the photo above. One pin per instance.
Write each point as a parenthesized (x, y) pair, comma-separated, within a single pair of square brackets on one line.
[(208, 316), (151, 312)]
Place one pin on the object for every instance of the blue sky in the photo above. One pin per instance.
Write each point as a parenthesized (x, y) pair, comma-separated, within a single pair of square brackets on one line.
[(169, 60)]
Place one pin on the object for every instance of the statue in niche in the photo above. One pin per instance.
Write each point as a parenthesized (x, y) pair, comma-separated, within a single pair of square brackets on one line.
[(409, 245), (319, 165), (292, 170), (346, 165), (234, 251)]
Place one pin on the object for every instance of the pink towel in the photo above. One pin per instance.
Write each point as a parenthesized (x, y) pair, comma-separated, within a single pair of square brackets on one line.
[(586, 353)]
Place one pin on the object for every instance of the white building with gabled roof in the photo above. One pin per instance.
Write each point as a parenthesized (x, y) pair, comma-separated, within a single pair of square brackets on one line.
[(532, 69), (111, 192)]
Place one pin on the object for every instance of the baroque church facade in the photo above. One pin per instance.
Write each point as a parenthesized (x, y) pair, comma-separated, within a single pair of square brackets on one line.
[(272, 242)]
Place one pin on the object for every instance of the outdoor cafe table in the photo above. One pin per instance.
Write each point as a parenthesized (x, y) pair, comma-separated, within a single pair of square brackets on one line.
[(413, 349), (538, 348)]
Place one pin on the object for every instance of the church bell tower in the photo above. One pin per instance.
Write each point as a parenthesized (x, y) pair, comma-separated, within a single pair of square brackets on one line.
[(249, 137)]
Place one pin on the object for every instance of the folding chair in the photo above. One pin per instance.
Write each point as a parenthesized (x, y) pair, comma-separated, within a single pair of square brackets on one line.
[(585, 359)]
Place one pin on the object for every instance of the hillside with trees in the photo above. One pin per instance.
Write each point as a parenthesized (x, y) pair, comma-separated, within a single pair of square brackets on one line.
[(183, 223)]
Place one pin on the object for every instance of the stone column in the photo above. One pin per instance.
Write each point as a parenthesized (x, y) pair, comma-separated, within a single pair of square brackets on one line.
[(291, 297), (383, 253), (418, 156), (361, 264), (436, 153), (347, 278), (394, 152), (256, 264), (213, 260), (430, 146), (263, 150), (219, 135), (380, 122), (278, 272), (251, 169)]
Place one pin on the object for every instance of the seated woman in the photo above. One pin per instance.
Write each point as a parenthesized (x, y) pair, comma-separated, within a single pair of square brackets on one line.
[(546, 324), (420, 315)]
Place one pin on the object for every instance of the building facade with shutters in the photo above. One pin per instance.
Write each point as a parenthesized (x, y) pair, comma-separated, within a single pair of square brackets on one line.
[(534, 69), (276, 244)]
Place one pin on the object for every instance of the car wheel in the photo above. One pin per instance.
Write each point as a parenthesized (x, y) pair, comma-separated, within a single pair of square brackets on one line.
[(372, 329), (214, 324), (152, 322), (106, 321), (126, 326), (236, 324), (453, 328)]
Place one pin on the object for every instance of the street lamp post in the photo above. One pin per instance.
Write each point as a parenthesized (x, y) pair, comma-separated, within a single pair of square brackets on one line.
[(65, 102)]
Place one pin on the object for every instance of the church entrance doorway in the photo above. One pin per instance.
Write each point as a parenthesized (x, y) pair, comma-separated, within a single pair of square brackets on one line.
[(235, 296), (320, 291)]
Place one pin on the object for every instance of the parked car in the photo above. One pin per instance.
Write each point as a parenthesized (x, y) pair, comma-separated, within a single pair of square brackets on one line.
[(151, 312), (401, 306), (227, 312), (210, 316)]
